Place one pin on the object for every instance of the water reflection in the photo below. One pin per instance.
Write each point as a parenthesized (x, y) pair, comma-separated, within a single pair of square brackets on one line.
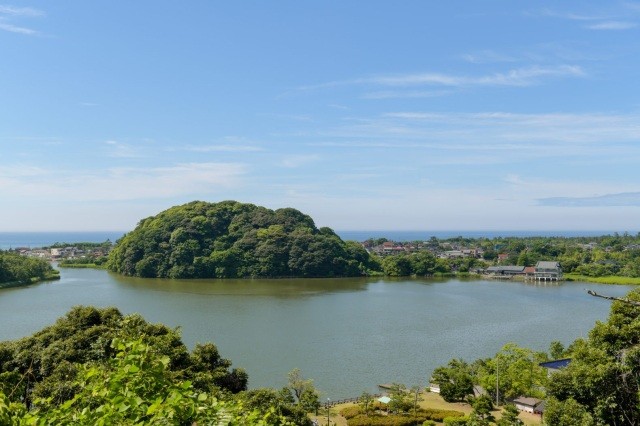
[(279, 288)]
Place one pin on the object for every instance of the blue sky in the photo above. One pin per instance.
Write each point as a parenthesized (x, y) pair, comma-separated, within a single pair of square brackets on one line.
[(412, 115)]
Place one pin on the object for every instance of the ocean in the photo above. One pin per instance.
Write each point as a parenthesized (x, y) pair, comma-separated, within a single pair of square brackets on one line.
[(9, 240)]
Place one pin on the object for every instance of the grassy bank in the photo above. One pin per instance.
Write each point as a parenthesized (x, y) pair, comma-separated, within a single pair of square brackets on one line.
[(55, 275), (611, 279)]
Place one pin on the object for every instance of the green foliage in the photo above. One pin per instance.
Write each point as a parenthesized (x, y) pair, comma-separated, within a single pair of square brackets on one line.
[(349, 412), (232, 240), (44, 365), (136, 386), (516, 370), (277, 403), (365, 403), (603, 377), (17, 269), (96, 367), (601, 384), (567, 413), (455, 380), (482, 407), (84, 262), (510, 416), (405, 419)]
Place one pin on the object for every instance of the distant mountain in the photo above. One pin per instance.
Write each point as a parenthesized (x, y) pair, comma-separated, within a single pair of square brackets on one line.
[(233, 240)]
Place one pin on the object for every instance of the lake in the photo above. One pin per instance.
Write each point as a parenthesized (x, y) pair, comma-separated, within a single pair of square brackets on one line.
[(347, 334)]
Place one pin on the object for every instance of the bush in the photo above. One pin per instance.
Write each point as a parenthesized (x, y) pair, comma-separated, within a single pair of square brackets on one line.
[(422, 416), (350, 412)]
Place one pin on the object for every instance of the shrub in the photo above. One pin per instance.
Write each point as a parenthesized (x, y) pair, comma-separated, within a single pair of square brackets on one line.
[(350, 412), (422, 416)]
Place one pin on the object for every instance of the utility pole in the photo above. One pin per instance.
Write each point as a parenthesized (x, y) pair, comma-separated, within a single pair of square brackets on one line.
[(497, 382), (328, 410)]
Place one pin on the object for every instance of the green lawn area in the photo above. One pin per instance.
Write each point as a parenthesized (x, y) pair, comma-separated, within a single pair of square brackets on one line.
[(604, 280), (429, 400)]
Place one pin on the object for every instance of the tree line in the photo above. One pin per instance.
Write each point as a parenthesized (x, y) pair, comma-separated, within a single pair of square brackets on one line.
[(18, 269)]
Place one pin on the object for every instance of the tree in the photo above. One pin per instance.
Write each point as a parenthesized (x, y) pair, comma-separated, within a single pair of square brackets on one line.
[(137, 386), (455, 380), (400, 398), (566, 413), (510, 416), (556, 350), (482, 407), (366, 403), (516, 371), (303, 390)]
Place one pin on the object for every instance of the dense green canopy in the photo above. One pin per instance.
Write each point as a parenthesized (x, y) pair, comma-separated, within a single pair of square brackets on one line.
[(97, 367), (22, 269), (232, 240)]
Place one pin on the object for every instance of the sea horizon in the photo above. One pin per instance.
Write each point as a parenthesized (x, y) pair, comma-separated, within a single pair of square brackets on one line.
[(33, 239)]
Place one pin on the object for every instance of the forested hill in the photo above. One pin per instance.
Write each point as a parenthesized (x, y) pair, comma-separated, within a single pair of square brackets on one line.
[(232, 240), (18, 270)]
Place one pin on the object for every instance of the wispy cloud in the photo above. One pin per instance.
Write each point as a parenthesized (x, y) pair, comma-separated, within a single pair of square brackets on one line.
[(408, 94), (295, 161), (224, 148), (8, 14), (612, 25), (124, 183), (16, 29), (615, 21), (487, 56), (525, 76), (121, 150), (625, 199), (19, 11)]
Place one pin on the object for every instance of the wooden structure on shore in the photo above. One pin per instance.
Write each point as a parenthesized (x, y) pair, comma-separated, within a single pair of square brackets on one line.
[(547, 271)]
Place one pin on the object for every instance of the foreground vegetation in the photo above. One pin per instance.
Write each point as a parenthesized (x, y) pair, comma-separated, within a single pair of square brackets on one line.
[(21, 270), (96, 366), (600, 386)]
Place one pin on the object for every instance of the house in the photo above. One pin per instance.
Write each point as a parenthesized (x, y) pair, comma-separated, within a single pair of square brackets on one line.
[(530, 271), (548, 271), (555, 365), (507, 270), (530, 405)]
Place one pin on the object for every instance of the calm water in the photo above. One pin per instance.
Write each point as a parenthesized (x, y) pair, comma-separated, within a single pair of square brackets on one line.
[(346, 334)]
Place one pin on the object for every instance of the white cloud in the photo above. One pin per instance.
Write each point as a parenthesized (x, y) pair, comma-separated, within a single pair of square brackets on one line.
[(525, 76), (612, 25), (122, 150), (125, 183), (487, 56), (295, 161), (408, 94), (10, 13), (20, 11), (15, 29), (224, 148)]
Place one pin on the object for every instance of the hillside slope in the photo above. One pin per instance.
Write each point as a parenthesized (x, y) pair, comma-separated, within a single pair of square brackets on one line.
[(230, 239)]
